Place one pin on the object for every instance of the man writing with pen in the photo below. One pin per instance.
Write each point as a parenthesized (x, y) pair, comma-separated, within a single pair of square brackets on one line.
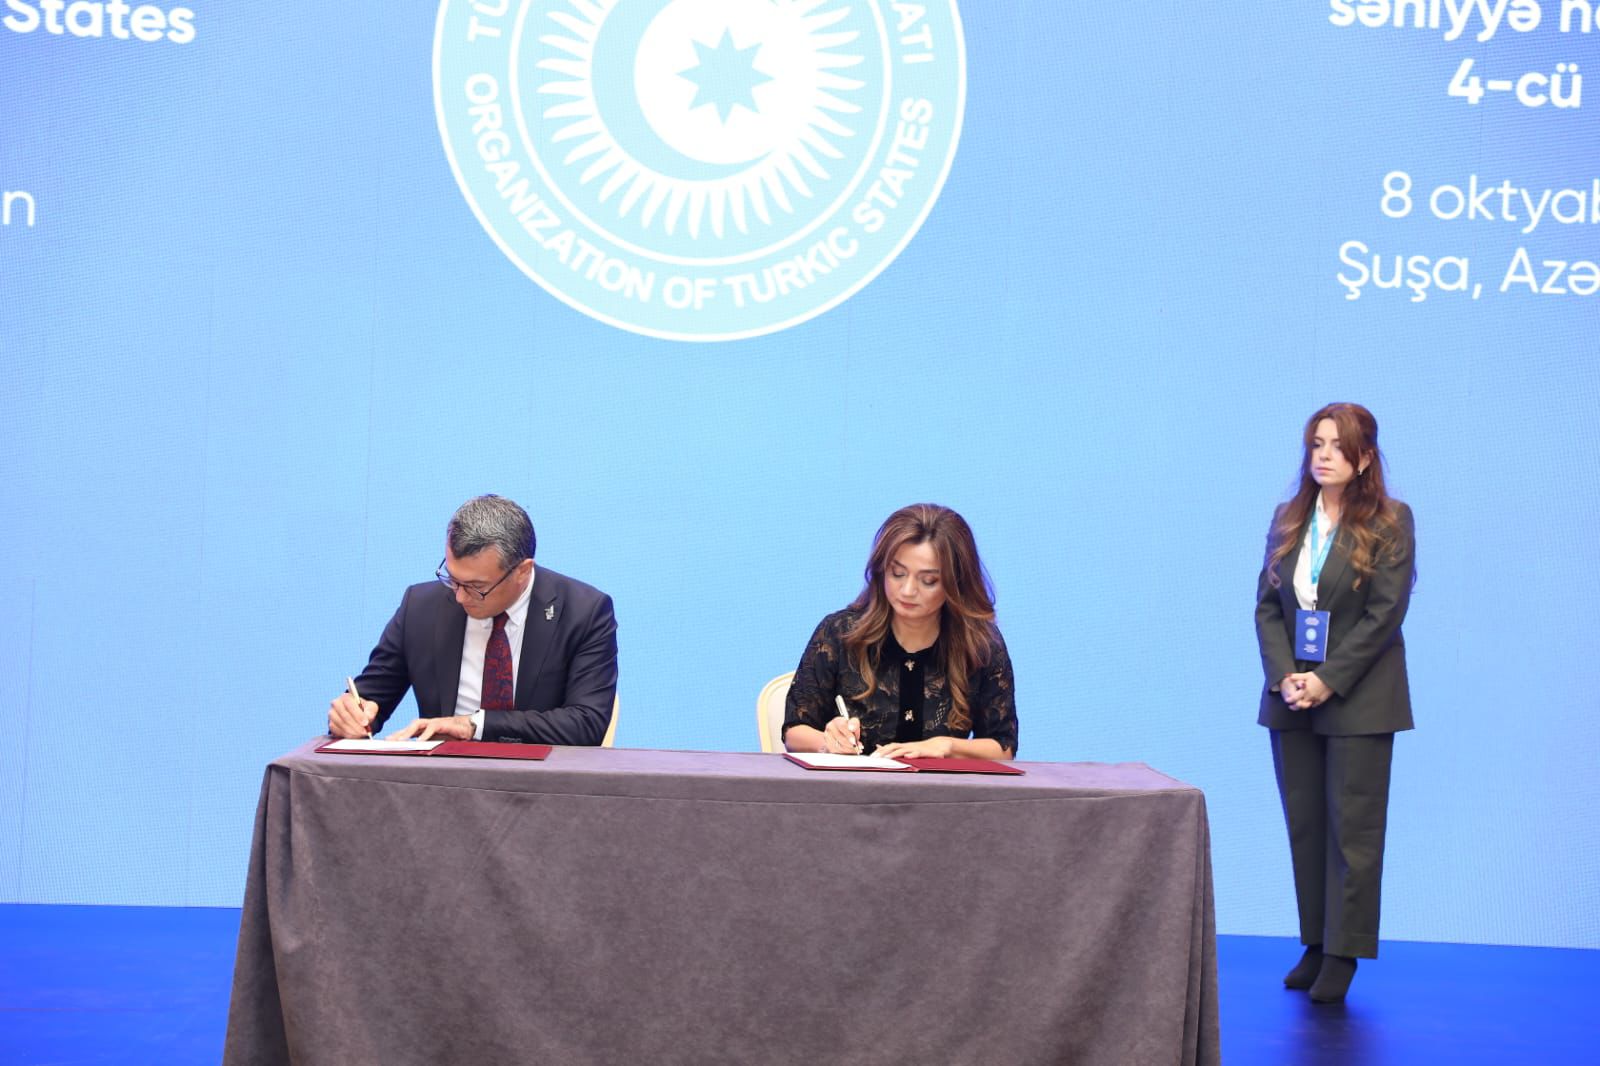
[(495, 649)]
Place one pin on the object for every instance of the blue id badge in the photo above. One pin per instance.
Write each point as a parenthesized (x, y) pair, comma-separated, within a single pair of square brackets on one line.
[(1311, 635)]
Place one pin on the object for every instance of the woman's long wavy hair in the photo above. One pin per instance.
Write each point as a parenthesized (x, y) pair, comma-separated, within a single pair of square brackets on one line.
[(966, 621), (1366, 511)]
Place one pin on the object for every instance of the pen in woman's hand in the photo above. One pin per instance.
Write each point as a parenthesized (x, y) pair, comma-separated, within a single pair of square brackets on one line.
[(845, 714)]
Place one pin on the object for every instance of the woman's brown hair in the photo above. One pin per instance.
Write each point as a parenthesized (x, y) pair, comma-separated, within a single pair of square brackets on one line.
[(966, 621), (1366, 511)]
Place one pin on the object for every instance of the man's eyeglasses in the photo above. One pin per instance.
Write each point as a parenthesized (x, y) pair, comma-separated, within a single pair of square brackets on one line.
[(471, 589)]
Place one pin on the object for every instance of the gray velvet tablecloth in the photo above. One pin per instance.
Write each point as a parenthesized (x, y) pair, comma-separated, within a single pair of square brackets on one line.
[(618, 906)]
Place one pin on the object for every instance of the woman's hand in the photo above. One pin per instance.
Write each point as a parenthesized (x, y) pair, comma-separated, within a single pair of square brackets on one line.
[(1310, 691), (932, 748), (842, 736)]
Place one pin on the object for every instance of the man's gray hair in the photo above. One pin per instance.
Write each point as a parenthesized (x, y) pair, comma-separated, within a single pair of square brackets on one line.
[(491, 522)]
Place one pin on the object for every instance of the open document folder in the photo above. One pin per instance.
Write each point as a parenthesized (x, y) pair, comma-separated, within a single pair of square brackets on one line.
[(471, 749), (815, 760)]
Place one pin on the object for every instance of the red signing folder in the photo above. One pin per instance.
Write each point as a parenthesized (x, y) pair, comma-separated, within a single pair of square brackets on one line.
[(962, 766), (469, 749), (492, 749)]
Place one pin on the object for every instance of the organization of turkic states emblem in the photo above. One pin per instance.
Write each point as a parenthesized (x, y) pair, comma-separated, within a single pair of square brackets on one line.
[(700, 169)]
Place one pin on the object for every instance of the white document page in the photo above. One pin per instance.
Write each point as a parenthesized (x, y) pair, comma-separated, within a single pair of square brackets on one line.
[(821, 760), (382, 747)]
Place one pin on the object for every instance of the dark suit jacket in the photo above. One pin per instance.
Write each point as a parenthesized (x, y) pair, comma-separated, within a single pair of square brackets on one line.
[(1366, 664), (566, 676)]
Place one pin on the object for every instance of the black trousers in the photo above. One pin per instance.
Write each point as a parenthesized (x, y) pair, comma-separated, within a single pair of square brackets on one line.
[(1335, 793)]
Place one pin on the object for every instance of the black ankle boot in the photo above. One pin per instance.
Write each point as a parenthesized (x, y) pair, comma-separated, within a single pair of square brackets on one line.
[(1333, 981), (1305, 971)]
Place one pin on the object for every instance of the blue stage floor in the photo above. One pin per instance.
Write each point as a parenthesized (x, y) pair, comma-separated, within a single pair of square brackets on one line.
[(81, 985)]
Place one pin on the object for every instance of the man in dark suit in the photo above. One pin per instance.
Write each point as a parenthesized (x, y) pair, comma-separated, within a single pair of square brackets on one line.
[(495, 649)]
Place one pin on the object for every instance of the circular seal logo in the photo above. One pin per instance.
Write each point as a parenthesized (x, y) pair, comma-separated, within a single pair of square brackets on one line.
[(700, 169)]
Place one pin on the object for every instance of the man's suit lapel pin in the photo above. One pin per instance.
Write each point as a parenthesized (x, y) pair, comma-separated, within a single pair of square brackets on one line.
[(550, 613)]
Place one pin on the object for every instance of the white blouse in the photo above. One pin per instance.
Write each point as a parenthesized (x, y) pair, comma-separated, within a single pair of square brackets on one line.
[(1305, 590)]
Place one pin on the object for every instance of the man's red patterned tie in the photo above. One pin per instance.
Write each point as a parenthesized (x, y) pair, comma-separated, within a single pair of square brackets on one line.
[(497, 689)]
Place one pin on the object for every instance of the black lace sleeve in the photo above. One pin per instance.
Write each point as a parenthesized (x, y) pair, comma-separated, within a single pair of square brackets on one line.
[(816, 679), (995, 713)]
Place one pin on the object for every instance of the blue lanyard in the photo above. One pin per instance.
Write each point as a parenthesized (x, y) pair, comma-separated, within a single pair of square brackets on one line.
[(1318, 557)]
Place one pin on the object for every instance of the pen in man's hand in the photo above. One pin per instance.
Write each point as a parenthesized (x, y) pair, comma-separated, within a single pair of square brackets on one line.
[(845, 714), (350, 683)]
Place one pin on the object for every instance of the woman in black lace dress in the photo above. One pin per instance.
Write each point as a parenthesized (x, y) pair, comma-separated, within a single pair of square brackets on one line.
[(917, 657)]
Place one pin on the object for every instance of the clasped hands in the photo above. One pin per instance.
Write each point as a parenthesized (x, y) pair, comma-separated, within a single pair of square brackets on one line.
[(1304, 691), (352, 720)]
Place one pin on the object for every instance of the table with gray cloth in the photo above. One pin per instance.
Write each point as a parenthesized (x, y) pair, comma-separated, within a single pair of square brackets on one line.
[(622, 906)]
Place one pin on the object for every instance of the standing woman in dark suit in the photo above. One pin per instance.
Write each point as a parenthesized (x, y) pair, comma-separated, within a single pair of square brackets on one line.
[(1339, 569)]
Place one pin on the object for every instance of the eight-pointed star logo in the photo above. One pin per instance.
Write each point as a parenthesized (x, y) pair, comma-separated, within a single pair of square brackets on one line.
[(700, 169), (725, 76)]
